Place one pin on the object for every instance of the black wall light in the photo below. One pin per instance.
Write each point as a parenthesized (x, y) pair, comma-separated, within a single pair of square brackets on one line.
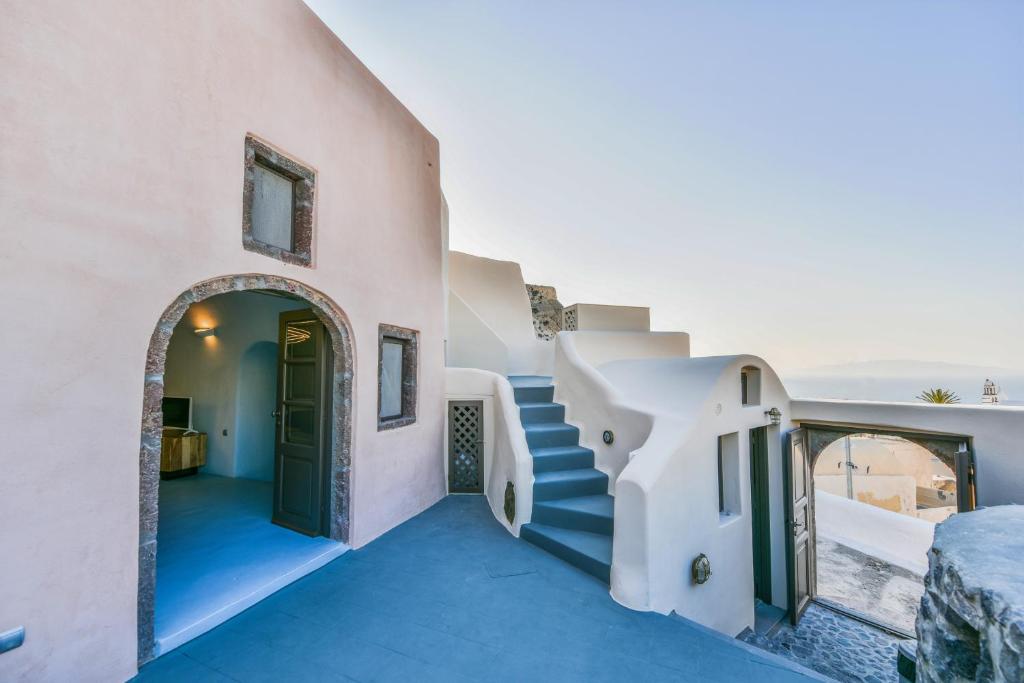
[(608, 436)]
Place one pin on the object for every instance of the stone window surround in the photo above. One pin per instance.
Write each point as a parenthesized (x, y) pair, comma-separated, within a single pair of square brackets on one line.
[(410, 369), (304, 181), (340, 332)]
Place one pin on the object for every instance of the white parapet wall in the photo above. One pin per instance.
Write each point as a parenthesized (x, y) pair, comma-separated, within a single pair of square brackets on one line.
[(890, 536), (996, 434), (471, 342), (600, 317), (592, 404), (490, 308), (506, 455)]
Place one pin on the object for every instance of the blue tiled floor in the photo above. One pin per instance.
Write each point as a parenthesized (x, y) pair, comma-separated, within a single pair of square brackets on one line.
[(218, 553), (451, 596)]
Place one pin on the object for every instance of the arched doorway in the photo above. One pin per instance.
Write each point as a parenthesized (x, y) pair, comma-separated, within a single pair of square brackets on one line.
[(871, 499), (338, 331)]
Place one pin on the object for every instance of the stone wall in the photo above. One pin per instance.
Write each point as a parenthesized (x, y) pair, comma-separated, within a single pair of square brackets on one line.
[(547, 311), (971, 623)]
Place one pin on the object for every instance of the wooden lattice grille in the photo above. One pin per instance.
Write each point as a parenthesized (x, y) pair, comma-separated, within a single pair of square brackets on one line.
[(465, 447)]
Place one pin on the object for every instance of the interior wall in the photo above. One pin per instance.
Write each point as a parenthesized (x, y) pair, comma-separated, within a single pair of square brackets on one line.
[(255, 402), (231, 377)]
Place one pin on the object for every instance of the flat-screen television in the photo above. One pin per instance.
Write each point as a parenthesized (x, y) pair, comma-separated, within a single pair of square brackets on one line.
[(177, 412)]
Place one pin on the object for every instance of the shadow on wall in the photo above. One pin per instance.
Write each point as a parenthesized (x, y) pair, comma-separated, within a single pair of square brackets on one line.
[(254, 421)]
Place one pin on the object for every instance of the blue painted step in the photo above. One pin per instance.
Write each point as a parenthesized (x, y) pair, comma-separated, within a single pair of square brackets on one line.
[(590, 552), (533, 394), (586, 513), (569, 484), (573, 515), (561, 458), (548, 434), (541, 412)]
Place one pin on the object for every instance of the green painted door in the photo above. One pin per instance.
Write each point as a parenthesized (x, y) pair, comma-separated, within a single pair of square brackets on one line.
[(760, 523), (298, 455), (799, 525)]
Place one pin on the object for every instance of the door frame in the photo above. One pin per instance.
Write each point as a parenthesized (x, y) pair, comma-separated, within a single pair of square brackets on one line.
[(955, 450), (341, 377)]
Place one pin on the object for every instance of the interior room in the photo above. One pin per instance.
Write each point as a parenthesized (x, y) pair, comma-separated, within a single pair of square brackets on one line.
[(225, 540)]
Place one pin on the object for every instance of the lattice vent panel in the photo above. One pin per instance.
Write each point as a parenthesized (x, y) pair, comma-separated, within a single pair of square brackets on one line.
[(465, 446)]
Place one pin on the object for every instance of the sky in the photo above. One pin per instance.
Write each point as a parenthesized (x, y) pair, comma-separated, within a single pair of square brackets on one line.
[(815, 183)]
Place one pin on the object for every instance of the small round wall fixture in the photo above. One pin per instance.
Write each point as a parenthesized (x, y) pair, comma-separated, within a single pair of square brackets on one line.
[(608, 436), (701, 569)]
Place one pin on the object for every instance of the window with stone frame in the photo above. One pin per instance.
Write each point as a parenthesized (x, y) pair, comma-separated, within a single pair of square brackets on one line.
[(396, 376), (277, 205)]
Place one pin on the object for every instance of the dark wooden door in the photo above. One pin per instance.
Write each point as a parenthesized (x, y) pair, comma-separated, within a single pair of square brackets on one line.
[(298, 455), (466, 446), (799, 525), (759, 519), (965, 494)]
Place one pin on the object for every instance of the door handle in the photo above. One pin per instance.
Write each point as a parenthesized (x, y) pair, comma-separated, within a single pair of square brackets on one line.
[(797, 527)]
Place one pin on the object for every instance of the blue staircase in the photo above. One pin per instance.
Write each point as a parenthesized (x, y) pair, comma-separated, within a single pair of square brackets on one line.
[(572, 511)]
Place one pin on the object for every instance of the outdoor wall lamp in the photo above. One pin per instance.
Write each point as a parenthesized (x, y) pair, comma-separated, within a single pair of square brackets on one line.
[(775, 415), (205, 331), (701, 569), (608, 437)]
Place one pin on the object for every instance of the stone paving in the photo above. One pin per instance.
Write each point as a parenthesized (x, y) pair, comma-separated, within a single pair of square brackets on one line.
[(834, 645), (866, 584)]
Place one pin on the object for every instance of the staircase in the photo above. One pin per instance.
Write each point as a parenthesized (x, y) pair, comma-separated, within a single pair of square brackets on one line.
[(572, 511)]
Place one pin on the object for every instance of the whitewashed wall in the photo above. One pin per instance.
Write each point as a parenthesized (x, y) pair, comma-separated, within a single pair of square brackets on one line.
[(605, 318), (123, 127), (496, 307), (666, 499)]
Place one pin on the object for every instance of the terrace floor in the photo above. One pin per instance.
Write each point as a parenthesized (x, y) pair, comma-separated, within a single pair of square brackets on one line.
[(451, 596)]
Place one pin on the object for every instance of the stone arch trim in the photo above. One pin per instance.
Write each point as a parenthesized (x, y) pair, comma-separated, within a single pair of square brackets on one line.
[(944, 448), (340, 331)]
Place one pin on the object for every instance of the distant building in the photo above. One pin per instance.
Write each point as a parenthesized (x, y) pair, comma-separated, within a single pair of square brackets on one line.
[(990, 392)]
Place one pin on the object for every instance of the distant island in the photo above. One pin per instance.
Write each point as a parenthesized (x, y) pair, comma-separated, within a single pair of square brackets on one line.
[(903, 380)]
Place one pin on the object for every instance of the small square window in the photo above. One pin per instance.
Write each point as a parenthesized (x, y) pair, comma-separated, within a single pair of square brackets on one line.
[(272, 204), (277, 205), (396, 398), (729, 475), (750, 386)]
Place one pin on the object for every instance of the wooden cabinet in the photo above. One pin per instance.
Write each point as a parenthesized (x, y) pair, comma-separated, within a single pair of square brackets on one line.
[(181, 453)]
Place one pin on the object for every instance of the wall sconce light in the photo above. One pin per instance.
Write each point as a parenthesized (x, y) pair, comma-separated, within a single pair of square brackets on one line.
[(608, 437), (701, 569), (775, 415), (205, 331)]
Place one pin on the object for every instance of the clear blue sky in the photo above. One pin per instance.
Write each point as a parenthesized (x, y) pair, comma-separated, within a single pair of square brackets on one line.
[(812, 182)]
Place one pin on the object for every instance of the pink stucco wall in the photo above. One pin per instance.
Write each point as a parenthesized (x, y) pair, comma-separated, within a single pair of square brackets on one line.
[(122, 125)]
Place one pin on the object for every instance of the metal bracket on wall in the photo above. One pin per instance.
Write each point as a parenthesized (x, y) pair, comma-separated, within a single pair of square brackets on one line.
[(12, 639)]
